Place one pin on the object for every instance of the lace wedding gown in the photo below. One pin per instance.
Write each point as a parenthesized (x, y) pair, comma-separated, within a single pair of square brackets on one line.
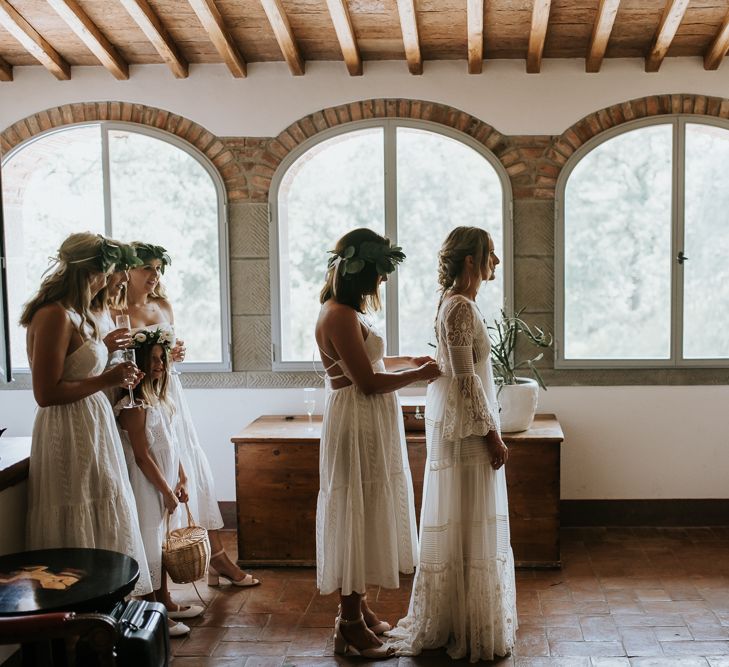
[(78, 487), (463, 593), (150, 506), (365, 520)]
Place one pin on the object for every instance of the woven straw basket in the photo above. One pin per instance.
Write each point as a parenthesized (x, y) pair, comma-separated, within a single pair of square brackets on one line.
[(186, 551)]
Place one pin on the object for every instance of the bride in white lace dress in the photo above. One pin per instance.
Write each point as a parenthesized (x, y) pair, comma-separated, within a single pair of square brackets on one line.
[(365, 524), (79, 493), (463, 595)]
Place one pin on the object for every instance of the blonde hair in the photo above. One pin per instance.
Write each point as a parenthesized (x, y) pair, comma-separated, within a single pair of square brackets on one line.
[(459, 244), (102, 299), (68, 283), (159, 292)]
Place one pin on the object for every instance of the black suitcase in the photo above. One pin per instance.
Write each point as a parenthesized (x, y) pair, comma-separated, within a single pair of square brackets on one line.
[(143, 639)]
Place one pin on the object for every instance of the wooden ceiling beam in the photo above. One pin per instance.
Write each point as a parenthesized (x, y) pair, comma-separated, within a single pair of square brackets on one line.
[(410, 39), (719, 47), (284, 35), (32, 41), (537, 35), (87, 31), (214, 25), (474, 20), (606, 13), (345, 34), (6, 70), (150, 24), (671, 19)]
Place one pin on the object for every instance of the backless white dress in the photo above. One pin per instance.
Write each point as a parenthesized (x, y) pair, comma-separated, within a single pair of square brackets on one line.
[(463, 596), (78, 487), (365, 521)]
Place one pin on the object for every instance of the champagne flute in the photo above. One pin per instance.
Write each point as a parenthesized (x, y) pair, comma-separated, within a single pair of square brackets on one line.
[(128, 354), (310, 404)]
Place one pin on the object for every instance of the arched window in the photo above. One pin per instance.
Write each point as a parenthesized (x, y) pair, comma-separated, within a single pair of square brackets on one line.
[(643, 241), (131, 183), (412, 182)]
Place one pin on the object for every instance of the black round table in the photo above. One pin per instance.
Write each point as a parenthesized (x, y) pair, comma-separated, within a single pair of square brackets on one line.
[(80, 580)]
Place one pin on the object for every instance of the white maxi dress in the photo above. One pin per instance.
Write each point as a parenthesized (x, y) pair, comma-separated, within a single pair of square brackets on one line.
[(150, 506), (463, 596), (365, 520), (79, 493)]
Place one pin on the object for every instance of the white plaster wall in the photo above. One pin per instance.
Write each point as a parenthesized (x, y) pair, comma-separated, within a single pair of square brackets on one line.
[(269, 99), (620, 442)]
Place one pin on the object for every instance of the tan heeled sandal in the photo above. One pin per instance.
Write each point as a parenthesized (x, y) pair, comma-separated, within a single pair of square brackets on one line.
[(379, 628), (343, 647), (214, 576)]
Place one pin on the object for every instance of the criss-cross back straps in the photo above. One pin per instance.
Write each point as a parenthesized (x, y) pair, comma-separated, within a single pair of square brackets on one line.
[(335, 362)]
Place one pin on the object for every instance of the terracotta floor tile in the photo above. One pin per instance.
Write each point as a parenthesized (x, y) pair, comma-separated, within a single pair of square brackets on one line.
[(597, 648), (207, 662), (652, 595), (610, 662), (640, 642), (237, 649), (551, 662), (280, 628), (223, 620), (708, 631), (565, 634), (675, 634), (242, 634), (599, 628), (200, 642), (645, 620), (311, 642), (721, 661), (669, 662), (696, 648), (264, 661), (531, 642)]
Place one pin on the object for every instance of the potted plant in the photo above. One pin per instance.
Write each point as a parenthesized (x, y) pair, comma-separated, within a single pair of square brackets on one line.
[(517, 395)]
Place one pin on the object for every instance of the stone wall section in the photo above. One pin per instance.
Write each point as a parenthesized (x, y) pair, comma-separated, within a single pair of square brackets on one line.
[(248, 164)]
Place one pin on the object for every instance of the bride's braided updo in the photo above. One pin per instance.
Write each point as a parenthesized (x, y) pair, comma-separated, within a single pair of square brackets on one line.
[(459, 244)]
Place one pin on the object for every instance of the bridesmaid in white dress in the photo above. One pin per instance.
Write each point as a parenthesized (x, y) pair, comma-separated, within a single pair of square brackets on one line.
[(147, 305), (463, 595), (365, 524), (78, 488)]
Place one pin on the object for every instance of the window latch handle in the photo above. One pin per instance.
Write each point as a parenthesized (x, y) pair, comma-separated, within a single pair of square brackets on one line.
[(681, 257)]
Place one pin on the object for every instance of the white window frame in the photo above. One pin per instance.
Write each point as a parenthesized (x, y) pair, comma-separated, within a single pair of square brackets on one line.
[(389, 126), (678, 123), (225, 365)]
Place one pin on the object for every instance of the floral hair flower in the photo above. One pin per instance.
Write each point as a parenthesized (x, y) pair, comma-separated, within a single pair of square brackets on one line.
[(149, 251), (352, 260), (160, 336)]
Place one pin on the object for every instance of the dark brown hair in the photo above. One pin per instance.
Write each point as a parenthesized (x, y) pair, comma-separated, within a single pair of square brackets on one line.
[(357, 290), (149, 390)]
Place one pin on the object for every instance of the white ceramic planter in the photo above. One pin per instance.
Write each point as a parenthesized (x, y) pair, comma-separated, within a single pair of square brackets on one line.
[(518, 405)]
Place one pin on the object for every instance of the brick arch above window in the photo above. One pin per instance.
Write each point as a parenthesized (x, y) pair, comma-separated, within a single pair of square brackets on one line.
[(574, 137), (215, 149)]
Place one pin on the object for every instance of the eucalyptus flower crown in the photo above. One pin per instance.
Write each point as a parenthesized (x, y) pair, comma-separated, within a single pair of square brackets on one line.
[(108, 255), (147, 251), (352, 260), (159, 336)]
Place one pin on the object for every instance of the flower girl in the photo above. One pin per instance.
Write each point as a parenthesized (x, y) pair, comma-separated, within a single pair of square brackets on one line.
[(153, 457)]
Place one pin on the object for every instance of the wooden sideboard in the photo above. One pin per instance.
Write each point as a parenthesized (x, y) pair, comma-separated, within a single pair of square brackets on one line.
[(277, 483)]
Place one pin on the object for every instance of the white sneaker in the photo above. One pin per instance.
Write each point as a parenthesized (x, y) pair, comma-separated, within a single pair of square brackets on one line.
[(177, 629), (191, 612)]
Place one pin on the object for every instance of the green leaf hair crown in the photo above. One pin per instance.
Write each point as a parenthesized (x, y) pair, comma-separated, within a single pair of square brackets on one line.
[(148, 251), (108, 255), (129, 259), (352, 260)]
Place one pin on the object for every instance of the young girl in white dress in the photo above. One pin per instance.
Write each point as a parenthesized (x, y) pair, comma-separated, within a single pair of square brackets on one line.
[(365, 524), (147, 305), (152, 453), (78, 487), (463, 595)]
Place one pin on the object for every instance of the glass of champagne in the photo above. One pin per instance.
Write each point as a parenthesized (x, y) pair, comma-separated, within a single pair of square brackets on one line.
[(128, 354), (310, 404)]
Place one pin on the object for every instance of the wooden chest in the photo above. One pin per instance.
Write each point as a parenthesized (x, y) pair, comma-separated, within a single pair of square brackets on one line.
[(277, 483)]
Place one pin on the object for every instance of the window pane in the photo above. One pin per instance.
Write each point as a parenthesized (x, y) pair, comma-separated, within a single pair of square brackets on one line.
[(51, 188), (336, 186), (441, 184), (162, 195), (617, 228), (706, 243)]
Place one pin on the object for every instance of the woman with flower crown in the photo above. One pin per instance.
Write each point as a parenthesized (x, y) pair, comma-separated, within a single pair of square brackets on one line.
[(463, 596), (78, 487), (365, 524), (153, 454), (147, 306)]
